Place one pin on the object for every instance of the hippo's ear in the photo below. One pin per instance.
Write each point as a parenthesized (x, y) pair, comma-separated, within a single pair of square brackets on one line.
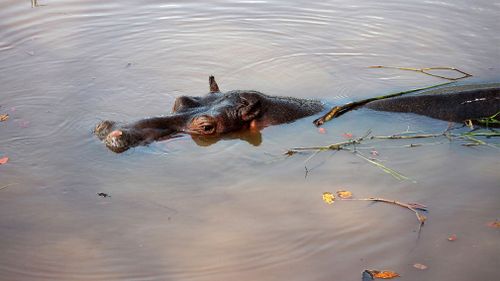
[(250, 107), (214, 88)]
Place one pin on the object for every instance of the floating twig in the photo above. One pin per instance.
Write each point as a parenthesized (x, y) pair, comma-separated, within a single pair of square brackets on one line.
[(333, 146), (346, 145), (5, 186), (426, 70), (399, 137), (410, 206)]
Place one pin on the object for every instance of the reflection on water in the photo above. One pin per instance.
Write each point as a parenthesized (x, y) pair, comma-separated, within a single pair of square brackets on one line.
[(204, 209), (253, 137)]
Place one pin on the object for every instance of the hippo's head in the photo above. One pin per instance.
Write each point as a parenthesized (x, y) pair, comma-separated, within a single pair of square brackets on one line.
[(211, 115), (217, 113)]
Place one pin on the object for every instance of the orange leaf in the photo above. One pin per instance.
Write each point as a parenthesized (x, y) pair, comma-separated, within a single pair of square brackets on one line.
[(420, 266), (322, 130), (328, 197), (384, 274), (452, 237), (347, 135), (4, 160), (494, 224), (4, 117), (344, 194)]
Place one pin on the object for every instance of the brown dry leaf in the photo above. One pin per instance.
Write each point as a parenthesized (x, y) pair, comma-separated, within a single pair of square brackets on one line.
[(420, 266), (494, 224), (452, 237), (4, 160), (384, 274), (4, 117), (328, 197), (344, 194), (116, 133)]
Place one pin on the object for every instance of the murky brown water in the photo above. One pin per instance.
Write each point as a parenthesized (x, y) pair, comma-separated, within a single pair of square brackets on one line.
[(232, 210)]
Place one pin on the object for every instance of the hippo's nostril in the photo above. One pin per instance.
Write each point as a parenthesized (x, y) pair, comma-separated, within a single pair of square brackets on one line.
[(102, 129), (117, 142)]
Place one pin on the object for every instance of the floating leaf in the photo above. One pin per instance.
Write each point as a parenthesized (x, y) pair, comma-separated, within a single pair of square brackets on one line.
[(347, 135), (116, 133), (328, 197), (4, 117), (384, 274), (452, 237), (494, 224), (4, 160), (344, 194), (322, 130), (420, 266)]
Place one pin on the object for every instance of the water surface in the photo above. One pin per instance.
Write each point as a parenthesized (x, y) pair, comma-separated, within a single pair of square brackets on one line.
[(232, 210)]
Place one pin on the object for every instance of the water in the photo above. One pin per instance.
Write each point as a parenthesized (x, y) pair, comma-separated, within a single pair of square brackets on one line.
[(232, 210)]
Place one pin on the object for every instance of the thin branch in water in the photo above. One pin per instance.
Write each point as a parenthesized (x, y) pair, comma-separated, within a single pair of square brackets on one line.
[(426, 70), (410, 206), (352, 146), (5, 186), (399, 137), (333, 146)]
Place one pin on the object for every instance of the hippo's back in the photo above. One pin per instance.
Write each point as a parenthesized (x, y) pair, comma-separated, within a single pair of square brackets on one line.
[(451, 104)]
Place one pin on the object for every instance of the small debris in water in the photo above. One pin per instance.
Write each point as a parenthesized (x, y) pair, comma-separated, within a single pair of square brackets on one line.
[(347, 135), (420, 266), (102, 194), (4, 160), (452, 237), (494, 224), (4, 117), (344, 194)]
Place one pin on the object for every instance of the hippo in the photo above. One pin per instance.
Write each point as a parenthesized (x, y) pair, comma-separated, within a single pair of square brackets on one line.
[(214, 114), (220, 114)]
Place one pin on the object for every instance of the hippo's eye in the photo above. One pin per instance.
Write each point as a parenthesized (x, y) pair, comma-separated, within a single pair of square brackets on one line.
[(203, 125), (208, 128)]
